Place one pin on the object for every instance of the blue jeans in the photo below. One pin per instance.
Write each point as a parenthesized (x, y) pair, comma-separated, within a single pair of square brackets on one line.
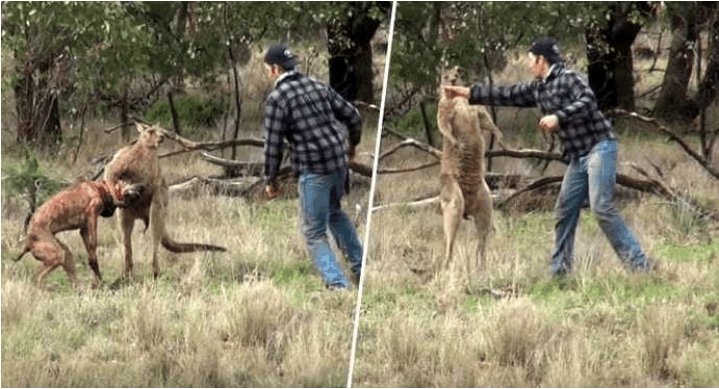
[(593, 175), (320, 208)]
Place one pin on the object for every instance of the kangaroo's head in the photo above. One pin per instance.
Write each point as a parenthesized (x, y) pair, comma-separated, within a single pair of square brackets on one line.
[(150, 136), (452, 75)]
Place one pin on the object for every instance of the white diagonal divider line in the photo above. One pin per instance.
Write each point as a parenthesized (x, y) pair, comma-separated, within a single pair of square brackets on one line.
[(370, 205)]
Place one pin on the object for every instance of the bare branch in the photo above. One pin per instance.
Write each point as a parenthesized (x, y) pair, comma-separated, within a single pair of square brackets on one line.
[(542, 182), (410, 142), (361, 169), (427, 201), (407, 170), (522, 153), (672, 136), (111, 129)]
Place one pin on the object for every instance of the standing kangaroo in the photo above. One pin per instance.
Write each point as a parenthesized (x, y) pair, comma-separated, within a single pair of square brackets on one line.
[(464, 191), (139, 163)]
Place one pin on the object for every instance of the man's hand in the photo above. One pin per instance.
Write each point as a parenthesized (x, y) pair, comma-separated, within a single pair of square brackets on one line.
[(272, 191), (549, 123), (455, 91)]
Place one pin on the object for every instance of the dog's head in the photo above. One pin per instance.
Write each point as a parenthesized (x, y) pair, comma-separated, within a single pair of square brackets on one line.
[(130, 194), (150, 136), (134, 192)]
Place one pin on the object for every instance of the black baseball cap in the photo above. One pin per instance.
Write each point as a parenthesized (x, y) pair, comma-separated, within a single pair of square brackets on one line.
[(548, 48), (280, 55)]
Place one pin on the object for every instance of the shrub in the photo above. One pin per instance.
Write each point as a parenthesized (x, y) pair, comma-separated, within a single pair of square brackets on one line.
[(192, 112), (412, 124), (29, 176)]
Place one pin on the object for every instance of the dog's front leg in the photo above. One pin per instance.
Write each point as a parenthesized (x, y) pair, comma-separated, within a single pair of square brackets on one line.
[(89, 237)]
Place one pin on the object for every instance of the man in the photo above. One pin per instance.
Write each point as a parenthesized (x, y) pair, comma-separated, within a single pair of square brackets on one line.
[(317, 123), (570, 108)]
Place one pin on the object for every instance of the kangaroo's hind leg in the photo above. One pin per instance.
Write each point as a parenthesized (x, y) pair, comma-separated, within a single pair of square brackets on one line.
[(452, 203), (483, 224)]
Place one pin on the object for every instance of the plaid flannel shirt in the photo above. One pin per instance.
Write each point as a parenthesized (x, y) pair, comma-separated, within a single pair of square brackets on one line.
[(317, 122), (564, 93)]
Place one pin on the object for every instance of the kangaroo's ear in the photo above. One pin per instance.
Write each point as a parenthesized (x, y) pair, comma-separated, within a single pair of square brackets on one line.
[(140, 127)]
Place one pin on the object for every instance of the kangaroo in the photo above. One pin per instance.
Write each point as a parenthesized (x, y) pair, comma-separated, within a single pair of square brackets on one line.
[(77, 207), (139, 163), (464, 191)]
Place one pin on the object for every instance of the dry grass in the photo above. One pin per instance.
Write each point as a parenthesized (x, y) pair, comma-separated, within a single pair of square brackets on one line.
[(255, 316)]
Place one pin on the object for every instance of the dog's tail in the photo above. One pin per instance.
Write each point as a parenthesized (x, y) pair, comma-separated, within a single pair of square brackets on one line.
[(177, 247), (24, 251)]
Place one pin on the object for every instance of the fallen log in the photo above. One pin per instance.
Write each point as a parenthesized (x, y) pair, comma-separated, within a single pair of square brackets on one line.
[(249, 187), (235, 168)]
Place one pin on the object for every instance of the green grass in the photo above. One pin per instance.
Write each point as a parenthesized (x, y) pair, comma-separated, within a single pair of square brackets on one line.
[(702, 253)]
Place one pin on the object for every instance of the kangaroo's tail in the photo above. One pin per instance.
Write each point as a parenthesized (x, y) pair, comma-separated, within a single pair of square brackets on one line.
[(177, 247)]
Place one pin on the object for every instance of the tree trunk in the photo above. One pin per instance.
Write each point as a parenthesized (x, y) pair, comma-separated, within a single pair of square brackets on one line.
[(709, 85), (125, 118), (427, 126), (37, 105), (673, 103), (610, 70), (710, 82), (350, 63)]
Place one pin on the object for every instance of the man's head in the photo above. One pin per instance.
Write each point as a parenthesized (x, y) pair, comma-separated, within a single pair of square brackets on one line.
[(279, 59), (543, 53)]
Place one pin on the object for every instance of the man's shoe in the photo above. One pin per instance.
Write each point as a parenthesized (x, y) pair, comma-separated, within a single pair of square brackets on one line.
[(338, 288), (654, 265), (355, 279)]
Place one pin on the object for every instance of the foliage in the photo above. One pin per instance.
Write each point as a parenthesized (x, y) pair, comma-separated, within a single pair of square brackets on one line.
[(119, 51), (479, 35), (192, 111), (29, 176), (427, 36), (412, 124)]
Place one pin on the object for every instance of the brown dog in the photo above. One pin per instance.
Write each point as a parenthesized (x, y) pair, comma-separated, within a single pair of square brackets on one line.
[(464, 191), (139, 163), (74, 208)]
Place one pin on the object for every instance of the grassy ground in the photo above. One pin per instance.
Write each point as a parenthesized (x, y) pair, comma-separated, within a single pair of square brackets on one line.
[(257, 315)]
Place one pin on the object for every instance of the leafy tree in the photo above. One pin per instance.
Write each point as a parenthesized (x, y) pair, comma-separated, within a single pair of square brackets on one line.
[(42, 38), (29, 180), (73, 50), (90, 51), (476, 35)]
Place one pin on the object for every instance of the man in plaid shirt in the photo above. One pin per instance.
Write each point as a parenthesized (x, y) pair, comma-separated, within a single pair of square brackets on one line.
[(570, 108), (323, 131)]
